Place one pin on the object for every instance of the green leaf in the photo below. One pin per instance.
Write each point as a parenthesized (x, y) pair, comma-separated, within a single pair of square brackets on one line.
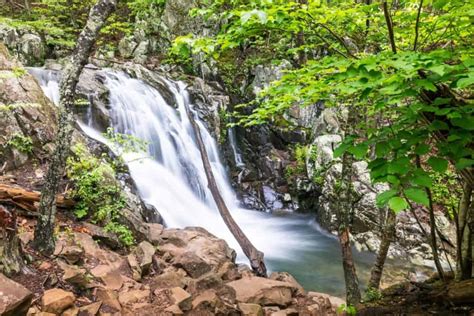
[(381, 149), (464, 163), (359, 151), (397, 204), (399, 166), (422, 149), (422, 180), (465, 82), (417, 195), (340, 150), (382, 198), (438, 164)]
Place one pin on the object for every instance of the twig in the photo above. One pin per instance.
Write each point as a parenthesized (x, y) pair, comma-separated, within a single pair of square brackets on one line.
[(417, 25)]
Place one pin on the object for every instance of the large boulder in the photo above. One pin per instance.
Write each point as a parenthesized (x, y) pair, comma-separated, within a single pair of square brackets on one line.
[(15, 299), (263, 291), (24, 42), (27, 117), (56, 301)]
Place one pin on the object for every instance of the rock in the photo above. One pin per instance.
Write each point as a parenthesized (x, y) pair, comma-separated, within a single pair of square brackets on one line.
[(133, 296), (286, 312), (57, 300), (263, 291), (168, 279), (334, 301), (250, 309), (136, 270), (174, 296), (269, 310), (107, 238), (174, 310), (144, 253), (74, 275), (461, 292), (154, 232), (288, 278), (72, 254), (15, 299), (192, 264), (109, 275), (212, 301), (73, 311), (109, 298), (90, 310), (205, 282)]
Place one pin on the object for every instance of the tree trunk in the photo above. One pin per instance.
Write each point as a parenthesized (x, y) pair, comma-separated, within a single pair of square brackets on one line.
[(253, 254), (44, 239), (345, 211), (11, 256), (464, 235), (388, 235), (434, 243)]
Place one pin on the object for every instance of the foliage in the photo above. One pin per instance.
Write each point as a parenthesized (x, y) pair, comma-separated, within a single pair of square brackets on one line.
[(372, 295), (347, 309), (97, 192), (409, 94), (21, 142)]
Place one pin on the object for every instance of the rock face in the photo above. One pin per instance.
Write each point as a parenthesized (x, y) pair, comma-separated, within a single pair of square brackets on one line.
[(322, 167), (27, 117), (14, 298), (24, 43)]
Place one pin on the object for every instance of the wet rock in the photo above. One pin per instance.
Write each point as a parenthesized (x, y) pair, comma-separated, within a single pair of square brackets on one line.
[(57, 300), (263, 291), (15, 299)]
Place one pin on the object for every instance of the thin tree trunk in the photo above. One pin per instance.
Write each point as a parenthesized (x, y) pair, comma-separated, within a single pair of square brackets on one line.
[(434, 243), (464, 235), (44, 239), (253, 254), (345, 212), (11, 256), (388, 235)]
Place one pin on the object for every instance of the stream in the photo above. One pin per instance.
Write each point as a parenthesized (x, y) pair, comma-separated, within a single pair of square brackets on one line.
[(170, 177)]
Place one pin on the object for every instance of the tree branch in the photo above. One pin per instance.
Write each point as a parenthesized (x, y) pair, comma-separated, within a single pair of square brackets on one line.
[(388, 20), (417, 25)]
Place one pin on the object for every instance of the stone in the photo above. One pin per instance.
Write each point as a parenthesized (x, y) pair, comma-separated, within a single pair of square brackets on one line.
[(168, 279), (98, 233), (144, 254), (174, 296), (334, 301), (74, 275), (192, 264), (205, 282), (154, 233), (57, 300), (72, 254), (288, 278), (73, 311), (109, 298), (90, 310), (250, 309), (15, 299), (136, 270), (133, 296), (263, 291), (174, 310), (286, 312), (109, 275)]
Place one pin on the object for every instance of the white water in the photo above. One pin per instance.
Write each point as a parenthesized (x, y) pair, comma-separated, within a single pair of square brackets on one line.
[(170, 176)]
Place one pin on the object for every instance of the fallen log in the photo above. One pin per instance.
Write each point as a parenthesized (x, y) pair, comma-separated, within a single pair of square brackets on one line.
[(28, 199), (253, 254)]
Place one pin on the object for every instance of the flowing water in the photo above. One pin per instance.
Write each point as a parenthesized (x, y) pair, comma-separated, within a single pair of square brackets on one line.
[(170, 176)]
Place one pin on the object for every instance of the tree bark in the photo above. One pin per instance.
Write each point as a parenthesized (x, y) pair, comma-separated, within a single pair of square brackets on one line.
[(44, 239), (345, 212), (388, 234), (11, 255), (434, 243), (464, 235), (253, 254)]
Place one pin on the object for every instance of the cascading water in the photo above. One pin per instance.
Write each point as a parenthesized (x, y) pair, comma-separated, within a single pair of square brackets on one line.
[(171, 178)]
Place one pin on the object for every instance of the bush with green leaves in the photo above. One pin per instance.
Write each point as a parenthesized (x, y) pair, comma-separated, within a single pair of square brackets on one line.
[(21, 142), (98, 193)]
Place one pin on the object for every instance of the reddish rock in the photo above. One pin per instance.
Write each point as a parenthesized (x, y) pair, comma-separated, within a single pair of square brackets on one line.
[(57, 300), (15, 299)]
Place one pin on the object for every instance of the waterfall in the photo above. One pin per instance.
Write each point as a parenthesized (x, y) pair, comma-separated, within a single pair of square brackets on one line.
[(170, 176)]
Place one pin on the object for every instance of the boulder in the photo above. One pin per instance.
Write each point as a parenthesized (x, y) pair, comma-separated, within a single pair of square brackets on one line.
[(263, 291), (173, 296), (250, 309), (15, 299), (144, 253), (109, 298), (288, 278), (90, 310), (57, 300), (72, 254), (109, 275), (192, 264), (168, 279), (133, 296)]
